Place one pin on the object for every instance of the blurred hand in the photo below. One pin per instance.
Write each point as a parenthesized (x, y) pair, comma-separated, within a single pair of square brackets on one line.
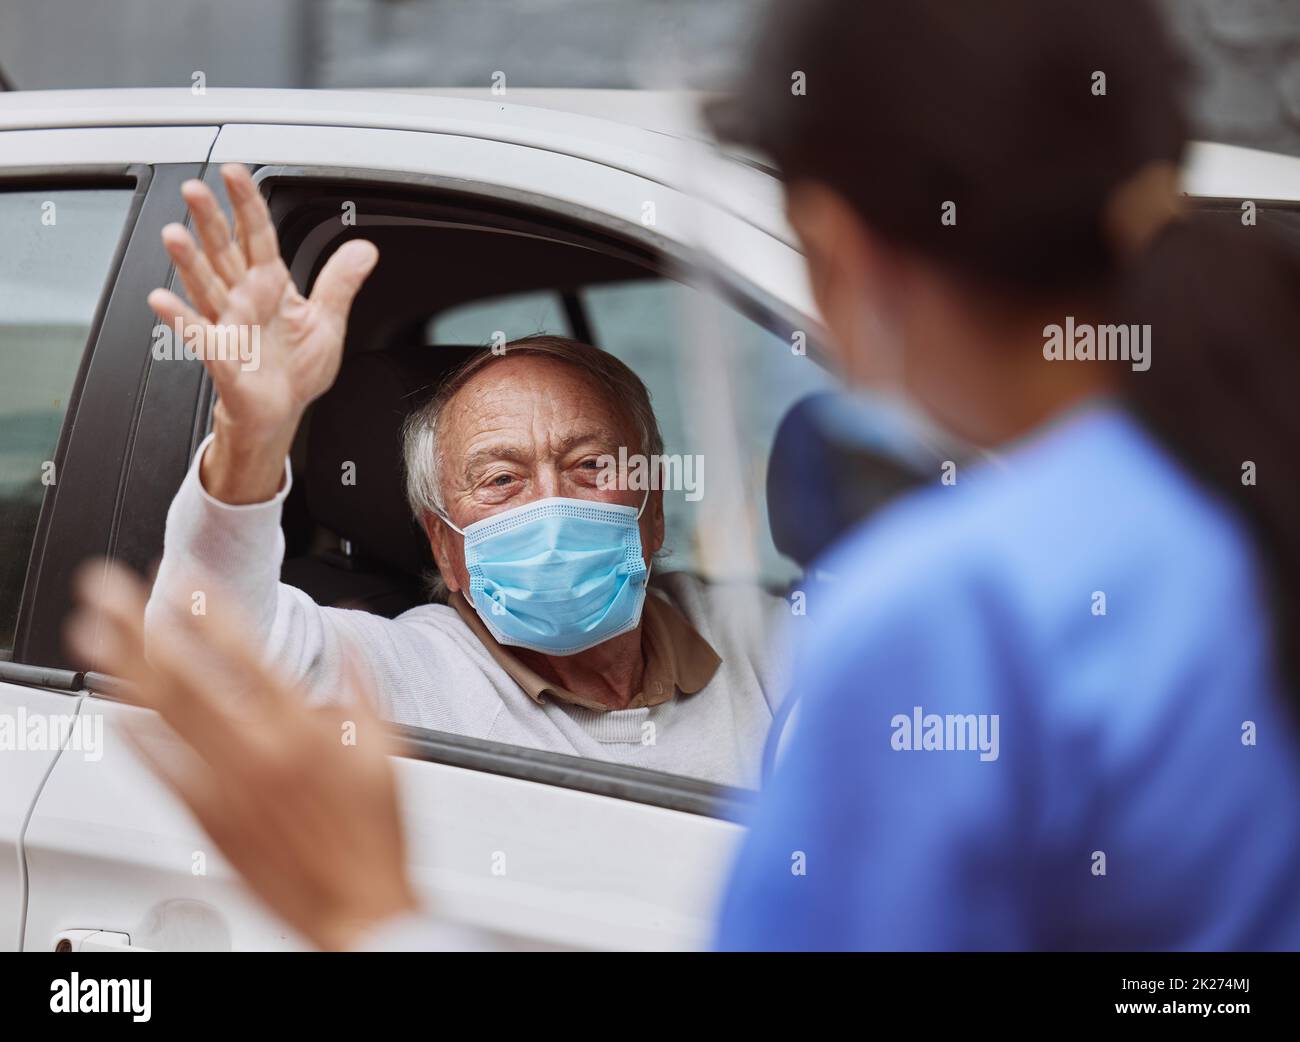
[(310, 821), (241, 281)]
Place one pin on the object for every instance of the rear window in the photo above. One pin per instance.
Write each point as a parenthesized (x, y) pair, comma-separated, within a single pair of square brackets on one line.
[(58, 248)]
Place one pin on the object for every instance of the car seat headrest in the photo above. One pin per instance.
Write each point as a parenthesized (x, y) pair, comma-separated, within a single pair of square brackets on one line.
[(359, 422)]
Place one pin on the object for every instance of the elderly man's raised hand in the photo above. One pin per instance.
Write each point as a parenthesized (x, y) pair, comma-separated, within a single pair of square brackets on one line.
[(240, 282)]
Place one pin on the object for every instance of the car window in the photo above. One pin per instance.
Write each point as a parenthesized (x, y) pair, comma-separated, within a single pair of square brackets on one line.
[(58, 249), (659, 327), (502, 318), (721, 382)]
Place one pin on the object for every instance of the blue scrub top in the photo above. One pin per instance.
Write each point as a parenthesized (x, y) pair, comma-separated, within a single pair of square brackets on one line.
[(1109, 618)]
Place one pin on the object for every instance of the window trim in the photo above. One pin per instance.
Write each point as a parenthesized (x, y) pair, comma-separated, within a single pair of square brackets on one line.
[(661, 789), (598, 777)]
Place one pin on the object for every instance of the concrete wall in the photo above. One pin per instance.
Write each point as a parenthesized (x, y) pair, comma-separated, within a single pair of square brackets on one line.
[(155, 43)]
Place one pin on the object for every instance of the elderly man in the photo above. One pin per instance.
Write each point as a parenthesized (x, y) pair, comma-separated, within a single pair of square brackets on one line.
[(553, 637)]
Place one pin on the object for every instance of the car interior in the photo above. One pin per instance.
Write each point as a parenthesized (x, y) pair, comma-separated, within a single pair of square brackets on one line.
[(447, 280)]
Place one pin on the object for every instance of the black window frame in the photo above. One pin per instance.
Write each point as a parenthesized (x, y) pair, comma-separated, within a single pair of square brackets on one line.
[(78, 512)]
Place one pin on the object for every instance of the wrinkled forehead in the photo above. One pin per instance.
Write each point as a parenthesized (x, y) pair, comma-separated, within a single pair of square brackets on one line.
[(532, 403)]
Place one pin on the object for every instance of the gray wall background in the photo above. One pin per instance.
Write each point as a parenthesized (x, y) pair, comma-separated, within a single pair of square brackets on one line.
[(1247, 51)]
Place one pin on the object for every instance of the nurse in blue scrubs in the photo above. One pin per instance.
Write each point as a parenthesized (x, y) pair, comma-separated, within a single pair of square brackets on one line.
[(1049, 702)]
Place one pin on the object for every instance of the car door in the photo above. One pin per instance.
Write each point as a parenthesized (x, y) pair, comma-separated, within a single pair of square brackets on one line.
[(72, 203), (544, 850)]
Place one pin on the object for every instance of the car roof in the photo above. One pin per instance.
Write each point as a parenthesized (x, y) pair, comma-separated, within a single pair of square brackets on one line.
[(638, 130), (662, 111), (657, 135), (588, 123)]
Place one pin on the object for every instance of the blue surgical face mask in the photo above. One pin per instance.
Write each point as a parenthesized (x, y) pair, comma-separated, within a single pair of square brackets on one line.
[(558, 576)]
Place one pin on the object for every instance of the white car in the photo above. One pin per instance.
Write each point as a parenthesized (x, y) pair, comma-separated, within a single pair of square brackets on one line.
[(599, 214)]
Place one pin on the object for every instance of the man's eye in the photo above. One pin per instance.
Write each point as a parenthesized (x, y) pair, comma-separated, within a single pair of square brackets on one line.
[(501, 480)]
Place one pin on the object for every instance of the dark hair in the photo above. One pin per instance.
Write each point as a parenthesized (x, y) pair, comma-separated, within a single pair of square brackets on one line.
[(1029, 115)]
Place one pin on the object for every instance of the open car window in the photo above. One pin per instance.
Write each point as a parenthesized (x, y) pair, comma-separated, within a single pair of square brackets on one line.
[(722, 369)]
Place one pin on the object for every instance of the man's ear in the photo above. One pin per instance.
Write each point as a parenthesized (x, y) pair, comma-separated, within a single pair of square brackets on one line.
[(654, 512), (439, 535)]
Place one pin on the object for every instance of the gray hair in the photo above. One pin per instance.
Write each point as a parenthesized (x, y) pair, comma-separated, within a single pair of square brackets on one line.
[(420, 450)]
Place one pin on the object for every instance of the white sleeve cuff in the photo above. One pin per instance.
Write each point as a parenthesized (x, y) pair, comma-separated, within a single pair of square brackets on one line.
[(212, 501)]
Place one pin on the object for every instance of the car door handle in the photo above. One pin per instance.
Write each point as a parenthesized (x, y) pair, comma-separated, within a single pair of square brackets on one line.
[(95, 941)]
